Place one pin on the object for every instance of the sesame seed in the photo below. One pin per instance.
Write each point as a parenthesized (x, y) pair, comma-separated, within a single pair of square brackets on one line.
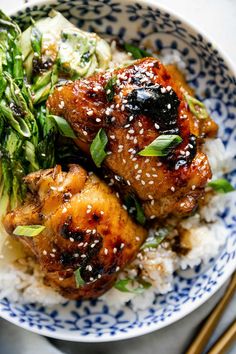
[(105, 251), (152, 216), (193, 187), (45, 252), (114, 250), (83, 256), (137, 238), (157, 126), (76, 255), (91, 279), (151, 182), (90, 112), (172, 188), (117, 269), (98, 120), (61, 104), (99, 276), (72, 239), (52, 255), (89, 268), (122, 245)]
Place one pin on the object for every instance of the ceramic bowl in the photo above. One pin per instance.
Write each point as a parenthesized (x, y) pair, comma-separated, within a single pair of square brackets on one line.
[(210, 73)]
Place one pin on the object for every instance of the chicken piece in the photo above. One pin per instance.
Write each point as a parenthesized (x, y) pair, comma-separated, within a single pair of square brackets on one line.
[(142, 103), (86, 228)]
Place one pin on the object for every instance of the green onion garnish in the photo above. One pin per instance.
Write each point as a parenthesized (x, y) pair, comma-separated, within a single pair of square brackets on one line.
[(122, 285), (161, 146), (78, 279), (63, 127), (97, 148), (36, 40), (196, 107), (156, 240), (136, 52), (28, 230), (134, 208), (221, 186), (110, 88)]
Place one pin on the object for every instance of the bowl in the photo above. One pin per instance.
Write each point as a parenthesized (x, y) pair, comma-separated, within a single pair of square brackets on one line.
[(213, 78)]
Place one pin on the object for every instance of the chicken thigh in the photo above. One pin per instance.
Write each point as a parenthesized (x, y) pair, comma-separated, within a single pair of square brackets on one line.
[(134, 105), (86, 231)]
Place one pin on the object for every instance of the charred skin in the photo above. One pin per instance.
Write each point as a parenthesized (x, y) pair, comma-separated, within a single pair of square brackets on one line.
[(85, 227), (147, 102)]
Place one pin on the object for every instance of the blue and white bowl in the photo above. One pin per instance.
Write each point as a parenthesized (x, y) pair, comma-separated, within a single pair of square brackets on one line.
[(213, 78)]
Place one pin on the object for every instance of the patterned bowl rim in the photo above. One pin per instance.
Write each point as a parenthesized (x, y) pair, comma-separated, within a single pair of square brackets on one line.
[(70, 336)]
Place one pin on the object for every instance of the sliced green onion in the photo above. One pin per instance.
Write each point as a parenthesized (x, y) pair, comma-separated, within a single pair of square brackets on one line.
[(36, 40), (136, 52), (134, 208), (78, 279), (63, 127), (97, 148), (196, 107), (155, 241), (123, 285), (140, 217), (221, 186), (28, 230), (161, 146), (110, 88)]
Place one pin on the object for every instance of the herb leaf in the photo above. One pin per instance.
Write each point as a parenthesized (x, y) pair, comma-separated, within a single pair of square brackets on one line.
[(28, 230), (221, 186), (196, 107), (63, 127), (136, 52), (110, 88), (78, 279), (122, 285), (156, 240), (161, 146), (134, 208), (97, 148), (36, 40)]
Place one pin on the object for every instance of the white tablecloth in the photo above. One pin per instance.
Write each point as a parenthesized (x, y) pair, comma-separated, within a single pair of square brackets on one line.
[(217, 18)]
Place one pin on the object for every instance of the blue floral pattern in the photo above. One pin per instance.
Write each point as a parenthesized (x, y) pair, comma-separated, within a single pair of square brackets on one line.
[(215, 84)]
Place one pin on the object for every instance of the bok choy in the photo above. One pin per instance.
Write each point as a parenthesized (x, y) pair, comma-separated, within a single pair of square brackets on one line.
[(26, 136), (54, 49)]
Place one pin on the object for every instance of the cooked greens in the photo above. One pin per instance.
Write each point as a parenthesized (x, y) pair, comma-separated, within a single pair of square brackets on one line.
[(54, 49)]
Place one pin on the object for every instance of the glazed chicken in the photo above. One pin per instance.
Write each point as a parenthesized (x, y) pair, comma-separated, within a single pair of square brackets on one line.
[(86, 228), (134, 105)]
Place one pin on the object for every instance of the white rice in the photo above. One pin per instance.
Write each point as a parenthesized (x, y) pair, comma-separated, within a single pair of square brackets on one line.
[(23, 283)]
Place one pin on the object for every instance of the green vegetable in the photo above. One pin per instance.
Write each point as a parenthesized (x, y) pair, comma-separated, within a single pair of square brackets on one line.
[(136, 52), (161, 146), (196, 107), (125, 285), (156, 240), (71, 53), (110, 88), (36, 40), (78, 279), (97, 148), (28, 230), (63, 127), (134, 208), (221, 186)]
